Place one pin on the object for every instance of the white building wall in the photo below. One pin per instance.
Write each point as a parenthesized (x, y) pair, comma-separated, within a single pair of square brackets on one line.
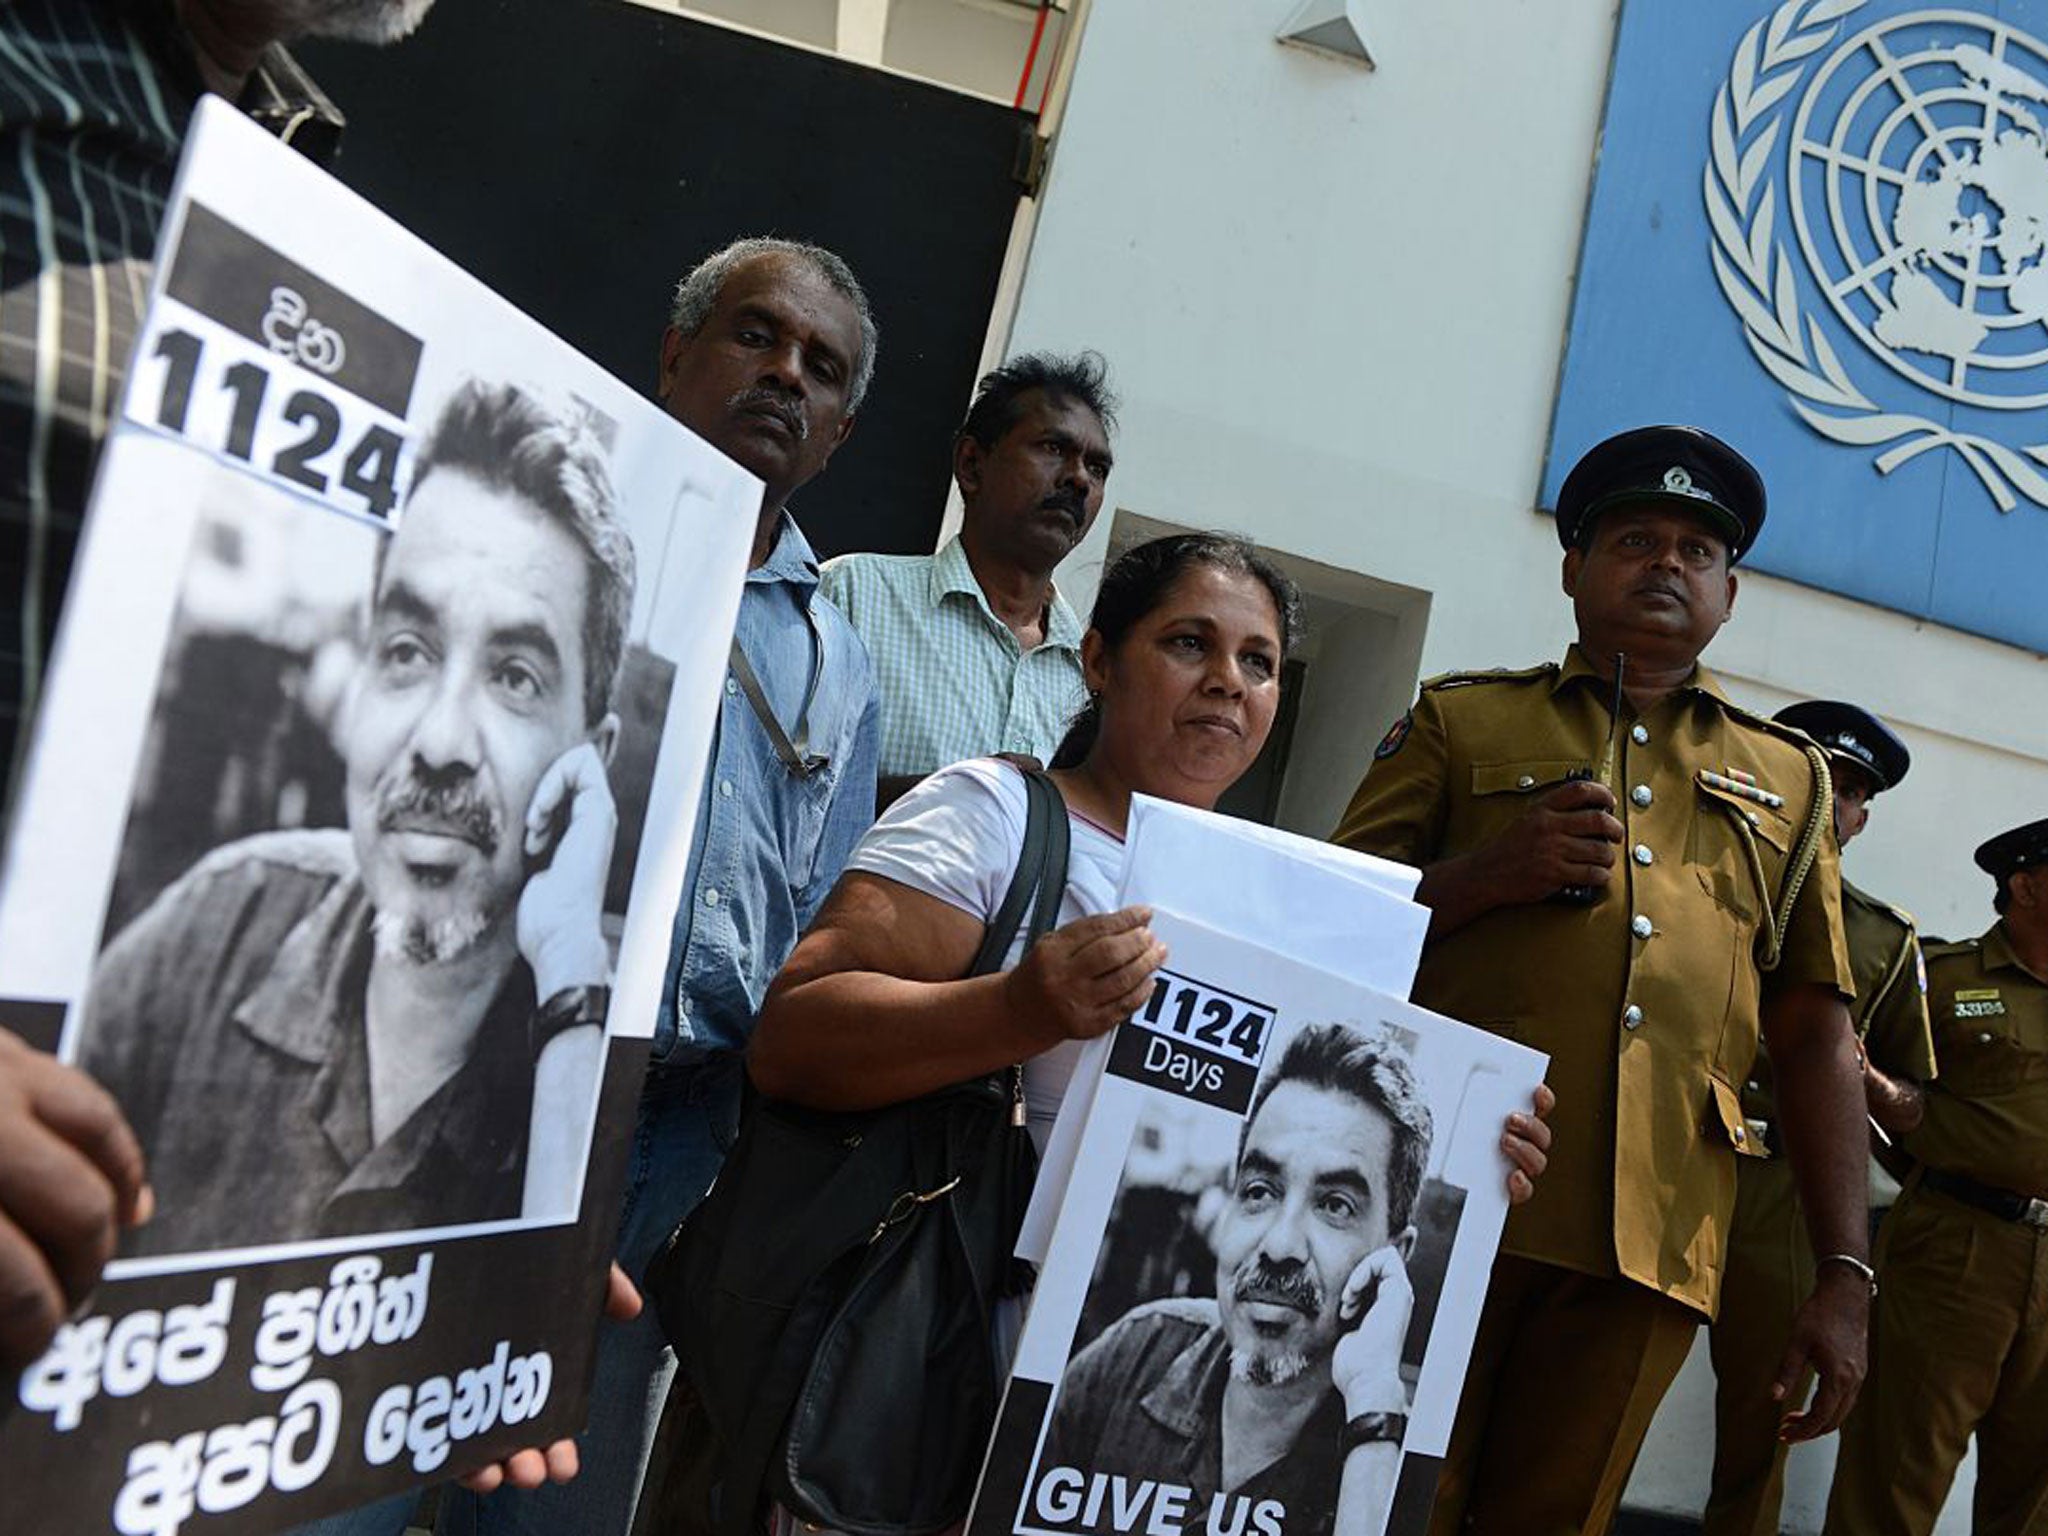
[(1334, 303)]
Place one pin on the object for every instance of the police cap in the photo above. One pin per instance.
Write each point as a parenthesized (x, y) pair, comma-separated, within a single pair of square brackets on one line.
[(2021, 848), (1852, 734), (1681, 465)]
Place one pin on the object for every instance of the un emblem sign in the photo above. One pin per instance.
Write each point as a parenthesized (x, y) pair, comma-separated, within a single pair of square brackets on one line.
[(1914, 153)]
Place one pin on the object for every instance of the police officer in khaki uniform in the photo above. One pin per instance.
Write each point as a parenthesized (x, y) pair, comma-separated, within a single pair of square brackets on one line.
[(1770, 1264), (1960, 1339), (1632, 874)]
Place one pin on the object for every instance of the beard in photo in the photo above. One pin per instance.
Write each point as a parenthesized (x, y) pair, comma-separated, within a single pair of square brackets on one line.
[(433, 923), (421, 938), (1258, 1279)]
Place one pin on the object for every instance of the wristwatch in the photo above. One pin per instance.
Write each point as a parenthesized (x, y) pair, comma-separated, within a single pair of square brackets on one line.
[(1375, 1429), (568, 1009)]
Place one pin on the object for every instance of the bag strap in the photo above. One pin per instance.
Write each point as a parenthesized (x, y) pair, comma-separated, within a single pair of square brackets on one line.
[(1052, 873), (1041, 872), (796, 755)]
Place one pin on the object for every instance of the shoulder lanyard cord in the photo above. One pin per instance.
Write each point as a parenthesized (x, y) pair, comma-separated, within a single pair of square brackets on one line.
[(795, 753)]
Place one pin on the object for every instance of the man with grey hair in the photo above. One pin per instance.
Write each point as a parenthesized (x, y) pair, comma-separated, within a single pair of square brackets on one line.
[(1286, 1389), (375, 1001)]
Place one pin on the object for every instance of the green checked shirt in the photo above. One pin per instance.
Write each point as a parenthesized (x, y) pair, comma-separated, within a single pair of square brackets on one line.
[(953, 679), (94, 98)]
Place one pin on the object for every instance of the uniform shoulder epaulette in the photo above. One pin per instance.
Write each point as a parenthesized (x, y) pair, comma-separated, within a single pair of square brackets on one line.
[(1791, 735), (1878, 904), (1489, 675), (1935, 949)]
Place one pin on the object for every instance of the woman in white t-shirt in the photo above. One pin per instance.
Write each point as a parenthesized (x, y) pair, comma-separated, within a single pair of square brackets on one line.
[(1182, 659)]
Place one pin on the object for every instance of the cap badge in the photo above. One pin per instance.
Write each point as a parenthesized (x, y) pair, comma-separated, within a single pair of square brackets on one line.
[(1679, 483)]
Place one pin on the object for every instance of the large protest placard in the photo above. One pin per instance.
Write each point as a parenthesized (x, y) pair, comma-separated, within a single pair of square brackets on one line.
[(1342, 911), (1265, 1276), (347, 857)]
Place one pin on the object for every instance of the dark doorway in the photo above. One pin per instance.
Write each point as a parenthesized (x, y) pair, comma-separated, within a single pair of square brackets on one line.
[(580, 155)]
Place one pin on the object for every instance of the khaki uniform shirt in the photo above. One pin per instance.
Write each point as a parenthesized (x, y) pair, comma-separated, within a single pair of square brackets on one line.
[(1987, 1117), (1649, 1001), (1891, 998)]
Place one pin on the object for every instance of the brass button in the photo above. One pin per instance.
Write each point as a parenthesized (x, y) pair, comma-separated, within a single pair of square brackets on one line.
[(1525, 781), (1640, 735), (1641, 926), (1631, 1016), (1641, 794), (1643, 854)]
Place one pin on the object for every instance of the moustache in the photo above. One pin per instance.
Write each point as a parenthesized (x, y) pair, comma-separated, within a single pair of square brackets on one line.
[(762, 400), (1068, 500), (1259, 1279), (448, 810)]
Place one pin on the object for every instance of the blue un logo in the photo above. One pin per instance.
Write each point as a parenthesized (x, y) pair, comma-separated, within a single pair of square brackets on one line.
[(1914, 159)]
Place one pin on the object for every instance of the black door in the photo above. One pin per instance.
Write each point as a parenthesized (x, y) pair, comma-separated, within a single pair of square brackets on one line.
[(581, 155)]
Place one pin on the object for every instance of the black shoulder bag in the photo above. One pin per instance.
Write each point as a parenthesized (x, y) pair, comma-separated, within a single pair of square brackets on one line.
[(831, 1300)]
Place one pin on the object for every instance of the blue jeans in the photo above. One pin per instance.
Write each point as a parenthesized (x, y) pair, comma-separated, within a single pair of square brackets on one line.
[(688, 1118)]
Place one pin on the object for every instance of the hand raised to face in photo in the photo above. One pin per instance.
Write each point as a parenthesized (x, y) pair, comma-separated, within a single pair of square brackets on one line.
[(1375, 1307), (570, 827)]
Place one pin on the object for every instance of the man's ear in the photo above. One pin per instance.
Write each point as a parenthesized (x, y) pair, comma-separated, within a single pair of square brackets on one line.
[(1574, 562), (1405, 1243), (968, 456), (606, 737), (1094, 661), (1729, 612), (672, 342)]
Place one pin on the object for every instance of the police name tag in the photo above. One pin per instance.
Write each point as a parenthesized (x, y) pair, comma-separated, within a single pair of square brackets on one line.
[(1984, 1003)]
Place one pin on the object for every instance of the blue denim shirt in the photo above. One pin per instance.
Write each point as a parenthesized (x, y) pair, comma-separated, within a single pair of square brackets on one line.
[(769, 845)]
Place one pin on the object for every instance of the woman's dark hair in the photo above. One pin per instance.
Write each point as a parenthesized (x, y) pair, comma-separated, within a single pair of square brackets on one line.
[(1137, 582)]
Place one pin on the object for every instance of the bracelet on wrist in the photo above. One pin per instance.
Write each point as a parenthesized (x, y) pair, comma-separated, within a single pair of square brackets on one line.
[(1850, 1261)]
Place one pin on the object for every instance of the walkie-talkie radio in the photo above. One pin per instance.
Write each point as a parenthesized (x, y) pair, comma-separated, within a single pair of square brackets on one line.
[(1587, 895)]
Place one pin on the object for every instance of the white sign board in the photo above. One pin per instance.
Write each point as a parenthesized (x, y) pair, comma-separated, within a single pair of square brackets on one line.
[(1266, 1272), (347, 857)]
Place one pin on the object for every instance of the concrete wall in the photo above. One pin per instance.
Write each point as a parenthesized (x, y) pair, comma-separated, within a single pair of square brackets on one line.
[(1334, 302)]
